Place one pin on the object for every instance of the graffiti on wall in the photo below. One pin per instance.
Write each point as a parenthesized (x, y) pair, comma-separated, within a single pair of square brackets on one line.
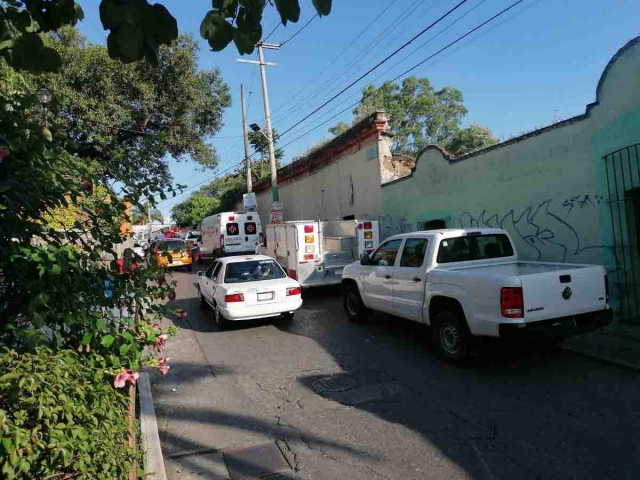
[(548, 232), (582, 201)]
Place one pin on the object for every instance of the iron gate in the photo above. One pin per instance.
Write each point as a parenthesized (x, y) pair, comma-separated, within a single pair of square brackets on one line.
[(623, 183)]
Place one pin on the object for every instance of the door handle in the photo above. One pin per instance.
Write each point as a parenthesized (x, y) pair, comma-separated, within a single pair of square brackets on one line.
[(388, 277), (417, 279)]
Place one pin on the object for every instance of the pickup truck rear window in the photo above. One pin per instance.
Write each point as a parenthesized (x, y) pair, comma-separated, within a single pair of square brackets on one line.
[(474, 247)]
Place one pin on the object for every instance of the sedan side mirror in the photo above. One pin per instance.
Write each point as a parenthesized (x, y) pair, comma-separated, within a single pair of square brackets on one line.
[(201, 273), (365, 260)]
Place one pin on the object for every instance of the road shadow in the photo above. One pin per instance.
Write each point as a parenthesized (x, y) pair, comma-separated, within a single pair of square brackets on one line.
[(519, 410)]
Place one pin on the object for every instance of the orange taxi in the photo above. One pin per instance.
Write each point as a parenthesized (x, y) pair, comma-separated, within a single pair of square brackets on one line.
[(171, 253)]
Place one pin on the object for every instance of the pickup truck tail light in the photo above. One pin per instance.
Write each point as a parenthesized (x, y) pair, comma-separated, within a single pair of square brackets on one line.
[(511, 302), (294, 291), (606, 288), (234, 298)]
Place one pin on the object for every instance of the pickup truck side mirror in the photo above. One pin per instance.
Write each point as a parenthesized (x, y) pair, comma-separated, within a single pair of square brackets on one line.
[(365, 260)]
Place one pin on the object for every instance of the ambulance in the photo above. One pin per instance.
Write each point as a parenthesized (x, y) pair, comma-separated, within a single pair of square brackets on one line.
[(230, 233), (315, 253)]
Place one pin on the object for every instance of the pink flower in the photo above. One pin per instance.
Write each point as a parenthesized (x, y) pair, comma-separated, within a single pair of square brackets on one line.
[(156, 326), (163, 366), (4, 152), (161, 340), (125, 376), (181, 313)]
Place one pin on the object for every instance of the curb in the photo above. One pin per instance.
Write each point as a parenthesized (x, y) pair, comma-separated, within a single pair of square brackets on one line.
[(153, 461), (604, 359)]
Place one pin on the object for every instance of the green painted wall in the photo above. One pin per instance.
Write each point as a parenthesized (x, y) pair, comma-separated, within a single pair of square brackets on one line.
[(548, 188)]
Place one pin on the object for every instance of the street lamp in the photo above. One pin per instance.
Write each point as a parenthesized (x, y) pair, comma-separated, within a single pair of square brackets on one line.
[(44, 97), (256, 128)]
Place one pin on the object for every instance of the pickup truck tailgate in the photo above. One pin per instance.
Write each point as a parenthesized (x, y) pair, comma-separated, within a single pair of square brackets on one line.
[(564, 292)]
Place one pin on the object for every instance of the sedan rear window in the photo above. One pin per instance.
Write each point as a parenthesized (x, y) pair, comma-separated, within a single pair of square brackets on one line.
[(474, 247), (253, 271)]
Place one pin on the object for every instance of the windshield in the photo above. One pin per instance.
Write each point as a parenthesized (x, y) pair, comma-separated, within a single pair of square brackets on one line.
[(253, 271), (474, 247)]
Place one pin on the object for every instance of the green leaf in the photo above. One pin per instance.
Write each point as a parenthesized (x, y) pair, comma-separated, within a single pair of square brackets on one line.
[(29, 53), (124, 349), (227, 7), (46, 133), (323, 7), (288, 10), (7, 444), (216, 30), (56, 269), (86, 338), (127, 335), (9, 376), (107, 341)]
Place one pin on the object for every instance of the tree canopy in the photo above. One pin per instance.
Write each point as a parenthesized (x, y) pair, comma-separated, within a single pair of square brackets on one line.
[(137, 29), (420, 115), (134, 115)]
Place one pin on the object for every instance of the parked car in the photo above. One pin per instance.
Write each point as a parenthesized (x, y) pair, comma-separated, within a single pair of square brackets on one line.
[(178, 251), (230, 233), (246, 288), (466, 283)]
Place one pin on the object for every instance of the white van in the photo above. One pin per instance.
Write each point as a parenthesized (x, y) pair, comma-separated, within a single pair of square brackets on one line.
[(230, 233), (315, 253)]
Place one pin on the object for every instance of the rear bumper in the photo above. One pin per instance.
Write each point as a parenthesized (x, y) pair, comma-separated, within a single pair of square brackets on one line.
[(558, 327), (252, 312)]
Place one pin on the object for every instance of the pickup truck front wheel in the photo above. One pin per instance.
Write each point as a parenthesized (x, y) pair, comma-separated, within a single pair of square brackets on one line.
[(451, 336), (353, 306)]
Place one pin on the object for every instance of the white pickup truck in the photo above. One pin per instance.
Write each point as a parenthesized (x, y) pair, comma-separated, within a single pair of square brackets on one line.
[(466, 283)]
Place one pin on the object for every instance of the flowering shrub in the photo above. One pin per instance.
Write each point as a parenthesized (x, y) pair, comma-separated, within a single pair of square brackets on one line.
[(61, 418)]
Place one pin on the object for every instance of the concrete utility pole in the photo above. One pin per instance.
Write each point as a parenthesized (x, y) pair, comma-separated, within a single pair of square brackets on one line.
[(247, 158), (267, 113)]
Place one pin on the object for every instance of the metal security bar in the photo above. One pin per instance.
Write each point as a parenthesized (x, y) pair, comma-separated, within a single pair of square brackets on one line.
[(623, 183)]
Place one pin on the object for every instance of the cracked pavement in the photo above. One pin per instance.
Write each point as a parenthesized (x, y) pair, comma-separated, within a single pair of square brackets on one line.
[(346, 401)]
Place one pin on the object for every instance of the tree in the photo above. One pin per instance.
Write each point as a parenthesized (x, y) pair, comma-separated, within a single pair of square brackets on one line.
[(140, 216), (194, 209), (261, 145), (470, 139), (339, 128), (136, 28), (420, 115), (135, 112)]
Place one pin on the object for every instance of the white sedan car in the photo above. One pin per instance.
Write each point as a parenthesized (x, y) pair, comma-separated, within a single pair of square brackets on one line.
[(247, 288)]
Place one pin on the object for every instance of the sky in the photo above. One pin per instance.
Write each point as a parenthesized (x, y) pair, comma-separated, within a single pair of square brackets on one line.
[(536, 64)]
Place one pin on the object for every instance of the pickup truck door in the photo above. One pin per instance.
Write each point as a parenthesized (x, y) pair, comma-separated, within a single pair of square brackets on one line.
[(377, 278), (409, 280)]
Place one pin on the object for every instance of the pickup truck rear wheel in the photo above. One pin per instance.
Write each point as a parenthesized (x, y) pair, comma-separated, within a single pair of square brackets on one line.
[(451, 336), (353, 306)]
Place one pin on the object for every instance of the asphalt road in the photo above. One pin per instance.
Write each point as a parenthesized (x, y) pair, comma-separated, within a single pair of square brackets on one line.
[(347, 401)]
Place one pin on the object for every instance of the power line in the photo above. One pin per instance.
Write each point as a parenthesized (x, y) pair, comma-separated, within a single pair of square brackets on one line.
[(344, 67), (399, 49), (274, 29), (301, 29), (459, 39), (420, 47), (454, 42)]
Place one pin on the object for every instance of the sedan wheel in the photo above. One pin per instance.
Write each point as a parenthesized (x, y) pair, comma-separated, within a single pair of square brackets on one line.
[(221, 322)]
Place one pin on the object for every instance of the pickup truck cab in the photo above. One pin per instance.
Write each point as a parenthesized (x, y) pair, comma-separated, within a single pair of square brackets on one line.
[(469, 282)]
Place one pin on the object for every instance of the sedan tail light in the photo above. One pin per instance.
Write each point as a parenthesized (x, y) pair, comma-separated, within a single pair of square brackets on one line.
[(234, 298), (294, 291), (512, 302)]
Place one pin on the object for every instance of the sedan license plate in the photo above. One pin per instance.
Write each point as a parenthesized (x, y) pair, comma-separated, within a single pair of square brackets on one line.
[(265, 296)]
